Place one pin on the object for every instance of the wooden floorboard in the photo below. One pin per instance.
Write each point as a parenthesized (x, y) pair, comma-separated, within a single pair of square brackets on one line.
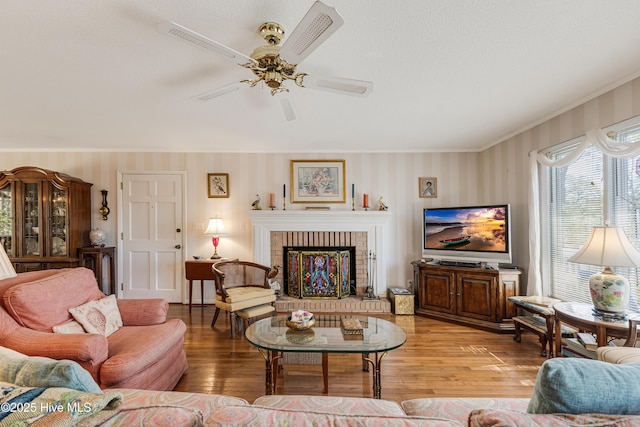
[(439, 359)]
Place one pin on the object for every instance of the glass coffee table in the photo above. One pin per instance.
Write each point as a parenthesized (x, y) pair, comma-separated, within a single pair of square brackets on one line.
[(273, 337)]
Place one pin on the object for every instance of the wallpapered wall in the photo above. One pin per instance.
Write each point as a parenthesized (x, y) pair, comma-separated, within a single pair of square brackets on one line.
[(499, 174), (393, 176)]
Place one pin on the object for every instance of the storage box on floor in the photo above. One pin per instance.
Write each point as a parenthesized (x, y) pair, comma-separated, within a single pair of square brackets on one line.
[(402, 301)]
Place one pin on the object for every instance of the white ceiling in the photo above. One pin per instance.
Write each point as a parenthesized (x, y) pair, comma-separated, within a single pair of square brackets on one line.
[(449, 75)]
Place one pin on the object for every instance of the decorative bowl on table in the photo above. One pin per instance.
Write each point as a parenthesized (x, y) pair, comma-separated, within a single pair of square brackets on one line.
[(301, 320)]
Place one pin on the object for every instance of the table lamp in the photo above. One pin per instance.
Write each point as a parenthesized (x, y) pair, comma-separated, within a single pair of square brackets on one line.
[(216, 229), (6, 268), (608, 246)]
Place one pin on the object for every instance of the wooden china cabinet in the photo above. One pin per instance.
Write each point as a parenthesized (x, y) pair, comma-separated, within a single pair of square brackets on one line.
[(45, 216)]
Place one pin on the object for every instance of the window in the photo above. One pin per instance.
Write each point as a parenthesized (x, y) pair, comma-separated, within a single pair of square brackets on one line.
[(584, 194)]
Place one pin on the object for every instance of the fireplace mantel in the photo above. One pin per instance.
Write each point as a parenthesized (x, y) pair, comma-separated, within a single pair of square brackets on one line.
[(372, 222)]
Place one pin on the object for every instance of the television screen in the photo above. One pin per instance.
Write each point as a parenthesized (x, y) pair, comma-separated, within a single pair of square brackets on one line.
[(474, 233)]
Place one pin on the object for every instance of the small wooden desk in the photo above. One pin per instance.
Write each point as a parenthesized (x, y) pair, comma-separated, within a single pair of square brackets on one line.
[(200, 269), (96, 254)]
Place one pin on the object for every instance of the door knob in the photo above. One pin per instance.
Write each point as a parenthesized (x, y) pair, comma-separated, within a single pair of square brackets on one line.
[(178, 230), (178, 246)]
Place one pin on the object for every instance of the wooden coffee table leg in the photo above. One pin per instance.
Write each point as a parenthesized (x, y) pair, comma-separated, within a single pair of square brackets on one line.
[(325, 372)]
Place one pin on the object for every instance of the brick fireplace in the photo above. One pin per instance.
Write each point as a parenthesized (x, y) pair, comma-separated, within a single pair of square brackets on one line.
[(355, 243), (365, 230)]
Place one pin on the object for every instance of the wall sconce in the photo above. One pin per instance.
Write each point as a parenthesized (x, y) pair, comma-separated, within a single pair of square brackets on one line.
[(104, 210)]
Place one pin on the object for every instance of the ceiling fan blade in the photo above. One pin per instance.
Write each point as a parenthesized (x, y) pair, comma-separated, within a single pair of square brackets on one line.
[(190, 36), (317, 25), (223, 90), (338, 85), (288, 109)]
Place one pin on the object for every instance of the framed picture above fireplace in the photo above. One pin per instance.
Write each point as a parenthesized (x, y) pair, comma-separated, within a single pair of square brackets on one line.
[(318, 181)]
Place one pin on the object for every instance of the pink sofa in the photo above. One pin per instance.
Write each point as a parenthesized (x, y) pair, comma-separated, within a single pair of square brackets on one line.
[(145, 353)]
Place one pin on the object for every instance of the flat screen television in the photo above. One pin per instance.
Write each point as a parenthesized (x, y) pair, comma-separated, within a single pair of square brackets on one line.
[(467, 234)]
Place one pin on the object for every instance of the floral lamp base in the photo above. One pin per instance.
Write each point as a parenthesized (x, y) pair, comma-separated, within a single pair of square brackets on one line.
[(609, 291)]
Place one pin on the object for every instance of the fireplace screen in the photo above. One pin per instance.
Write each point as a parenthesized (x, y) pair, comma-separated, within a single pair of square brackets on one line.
[(318, 273)]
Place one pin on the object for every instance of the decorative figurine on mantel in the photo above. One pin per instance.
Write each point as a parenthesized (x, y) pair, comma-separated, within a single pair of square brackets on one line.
[(256, 204), (381, 205)]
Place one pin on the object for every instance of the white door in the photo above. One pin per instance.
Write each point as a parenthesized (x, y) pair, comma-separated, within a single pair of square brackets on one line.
[(152, 235)]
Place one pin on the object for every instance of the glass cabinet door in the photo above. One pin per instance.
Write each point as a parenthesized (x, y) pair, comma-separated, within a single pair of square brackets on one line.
[(6, 219), (32, 219), (58, 221)]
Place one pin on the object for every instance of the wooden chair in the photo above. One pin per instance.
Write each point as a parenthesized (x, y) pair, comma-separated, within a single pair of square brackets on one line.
[(242, 285)]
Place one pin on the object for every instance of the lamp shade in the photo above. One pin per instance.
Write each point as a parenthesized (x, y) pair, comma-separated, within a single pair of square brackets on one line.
[(6, 268), (215, 227), (608, 246)]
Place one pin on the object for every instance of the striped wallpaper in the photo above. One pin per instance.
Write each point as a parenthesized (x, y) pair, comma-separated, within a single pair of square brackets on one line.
[(498, 174)]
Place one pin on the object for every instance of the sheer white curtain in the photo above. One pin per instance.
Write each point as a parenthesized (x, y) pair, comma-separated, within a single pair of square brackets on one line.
[(595, 137)]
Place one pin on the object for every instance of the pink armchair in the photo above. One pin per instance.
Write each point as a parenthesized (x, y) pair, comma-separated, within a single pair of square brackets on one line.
[(146, 352)]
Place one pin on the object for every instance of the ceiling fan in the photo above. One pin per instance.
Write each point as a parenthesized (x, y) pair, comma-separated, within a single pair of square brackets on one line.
[(274, 64)]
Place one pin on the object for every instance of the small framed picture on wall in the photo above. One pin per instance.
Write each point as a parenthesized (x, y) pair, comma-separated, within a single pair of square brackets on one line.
[(218, 184), (428, 187)]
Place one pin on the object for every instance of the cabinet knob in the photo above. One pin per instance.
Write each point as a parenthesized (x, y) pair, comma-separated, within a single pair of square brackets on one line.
[(178, 247)]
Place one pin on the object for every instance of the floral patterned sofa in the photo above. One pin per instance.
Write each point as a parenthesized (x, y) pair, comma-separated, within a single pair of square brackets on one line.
[(609, 398)]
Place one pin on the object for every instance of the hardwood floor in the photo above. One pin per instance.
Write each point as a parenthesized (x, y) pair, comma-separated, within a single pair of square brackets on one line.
[(439, 359)]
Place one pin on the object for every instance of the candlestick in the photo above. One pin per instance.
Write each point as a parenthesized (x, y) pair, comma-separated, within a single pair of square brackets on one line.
[(272, 201), (284, 197), (365, 201), (353, 190)]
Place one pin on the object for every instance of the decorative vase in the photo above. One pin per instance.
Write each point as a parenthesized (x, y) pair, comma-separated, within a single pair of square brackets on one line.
[(609, 291), (97, 237)]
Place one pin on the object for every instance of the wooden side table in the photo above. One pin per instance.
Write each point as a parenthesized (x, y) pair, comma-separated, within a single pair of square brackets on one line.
[(581, 316), (200, 269), (96, 255)]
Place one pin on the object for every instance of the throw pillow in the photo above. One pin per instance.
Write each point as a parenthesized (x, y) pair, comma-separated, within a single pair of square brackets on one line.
[(33, 371), (99, 317), (70, 327), (582, 386)]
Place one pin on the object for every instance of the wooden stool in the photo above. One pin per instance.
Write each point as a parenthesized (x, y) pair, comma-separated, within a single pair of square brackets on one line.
[(253, 314)]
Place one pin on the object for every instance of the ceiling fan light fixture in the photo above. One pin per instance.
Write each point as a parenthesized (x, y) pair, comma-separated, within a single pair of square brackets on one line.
[(273, 64), (273, 79)]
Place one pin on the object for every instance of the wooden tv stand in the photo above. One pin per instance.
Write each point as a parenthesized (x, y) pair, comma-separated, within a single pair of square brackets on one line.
[(472, 296)]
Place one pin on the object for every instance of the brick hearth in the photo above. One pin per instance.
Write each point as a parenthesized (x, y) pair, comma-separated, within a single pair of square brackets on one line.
[(286, 304)]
